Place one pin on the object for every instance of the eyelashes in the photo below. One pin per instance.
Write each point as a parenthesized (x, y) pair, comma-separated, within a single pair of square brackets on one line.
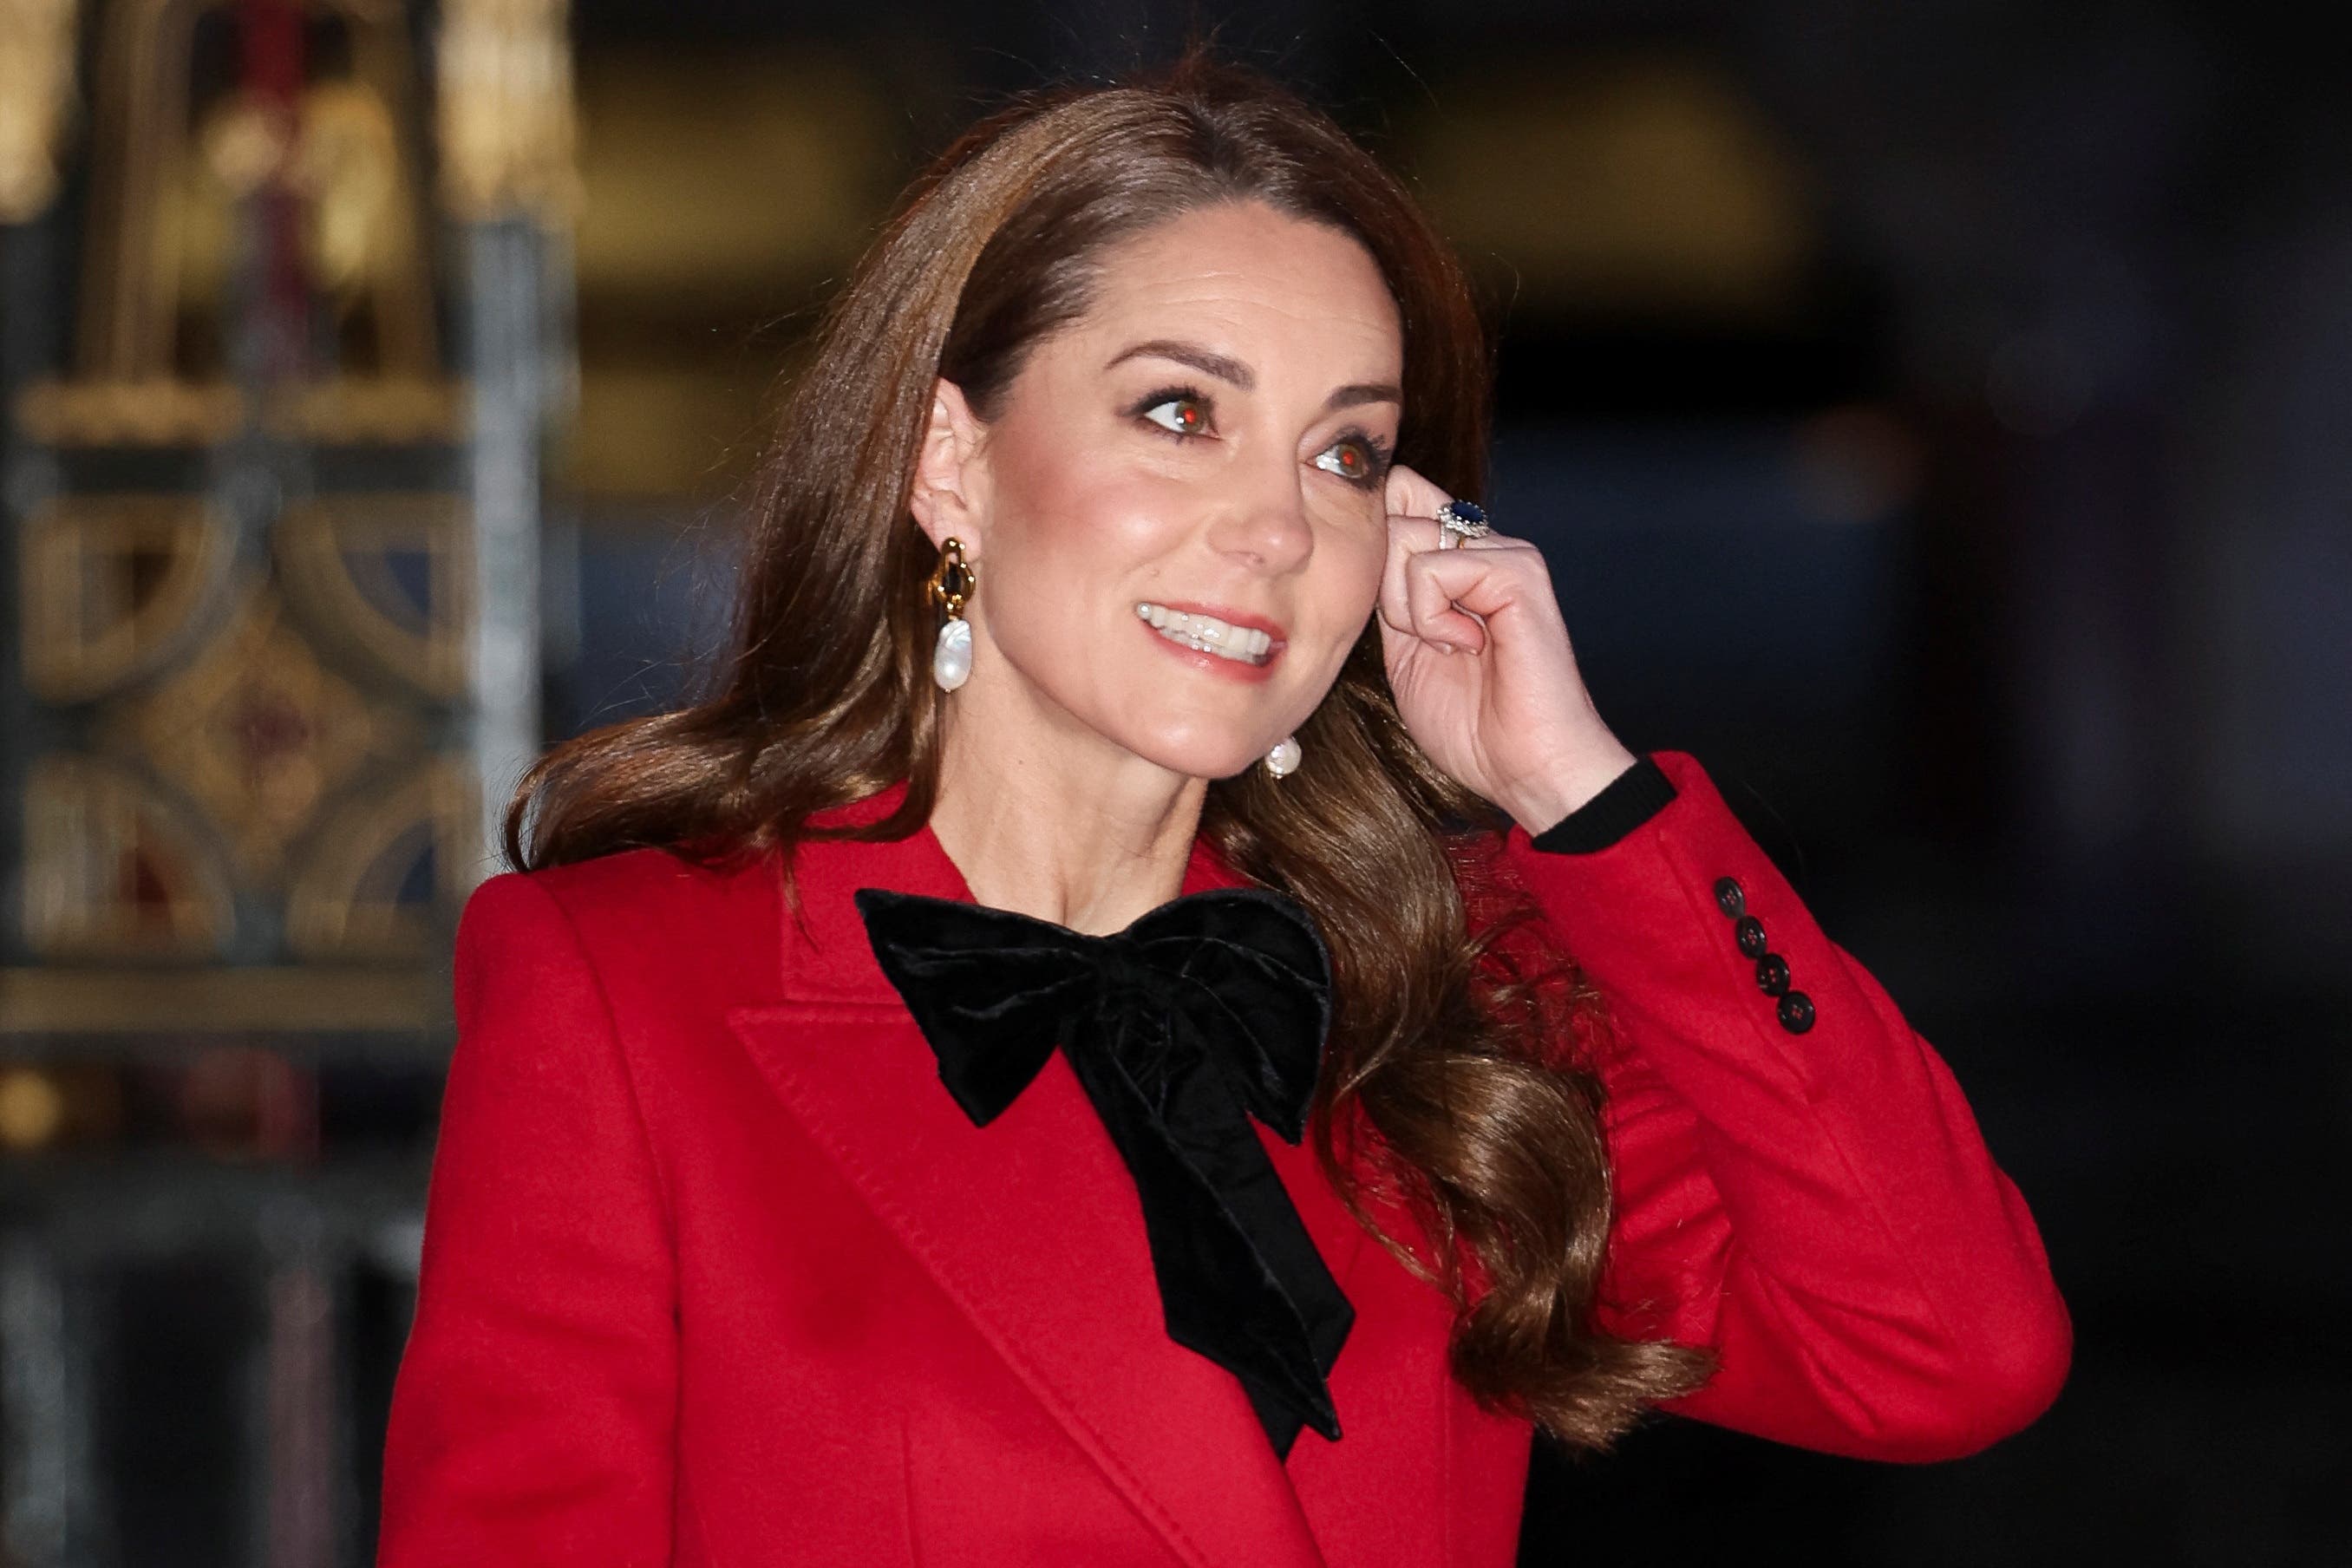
[(1194, 423), (1368, 471), (1195, 419)]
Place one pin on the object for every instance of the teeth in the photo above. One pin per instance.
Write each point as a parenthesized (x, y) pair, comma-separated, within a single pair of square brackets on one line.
[(1207, 633)]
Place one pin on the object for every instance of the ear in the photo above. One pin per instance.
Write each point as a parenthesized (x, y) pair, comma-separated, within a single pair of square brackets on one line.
[(950, 476)]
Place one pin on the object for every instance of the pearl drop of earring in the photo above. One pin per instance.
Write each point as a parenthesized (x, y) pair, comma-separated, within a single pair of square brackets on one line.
[(952, 656), (1283, 760)]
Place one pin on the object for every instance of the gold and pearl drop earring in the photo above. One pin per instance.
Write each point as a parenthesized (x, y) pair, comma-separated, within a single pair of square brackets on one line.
[(951, 582)]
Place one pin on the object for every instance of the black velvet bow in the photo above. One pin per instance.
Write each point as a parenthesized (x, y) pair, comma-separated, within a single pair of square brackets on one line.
[(1209, 1009)]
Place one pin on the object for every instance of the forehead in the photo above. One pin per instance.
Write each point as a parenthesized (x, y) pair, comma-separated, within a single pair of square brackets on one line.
[(1258, 279)]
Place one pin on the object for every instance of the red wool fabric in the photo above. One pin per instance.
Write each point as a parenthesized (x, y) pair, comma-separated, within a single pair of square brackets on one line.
[(716, 1272)]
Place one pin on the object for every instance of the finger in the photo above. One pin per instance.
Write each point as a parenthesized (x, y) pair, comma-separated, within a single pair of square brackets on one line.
[(1411, 495), (1412, 537), (1405, 540), (1415, 535), (1408, 536), (1432, 611), (1449, 592)]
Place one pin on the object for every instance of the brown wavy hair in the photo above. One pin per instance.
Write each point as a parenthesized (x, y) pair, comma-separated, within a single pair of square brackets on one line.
[(1457, 1089)]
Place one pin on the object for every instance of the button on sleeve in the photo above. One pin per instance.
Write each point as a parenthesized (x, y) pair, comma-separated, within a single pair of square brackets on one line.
[(1751, 934)]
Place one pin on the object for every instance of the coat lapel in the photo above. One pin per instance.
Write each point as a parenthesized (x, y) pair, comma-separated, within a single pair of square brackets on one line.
[(1031, 1225)]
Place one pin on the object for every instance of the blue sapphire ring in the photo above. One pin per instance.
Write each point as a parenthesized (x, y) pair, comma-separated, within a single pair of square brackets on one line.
[(1460, 520)]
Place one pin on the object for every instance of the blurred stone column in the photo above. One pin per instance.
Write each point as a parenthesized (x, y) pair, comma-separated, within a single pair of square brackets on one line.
[(508, 173), (510, 400), (48, 1482)]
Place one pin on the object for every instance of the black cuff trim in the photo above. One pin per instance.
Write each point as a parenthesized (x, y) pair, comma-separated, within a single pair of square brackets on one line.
[(1631, 799)]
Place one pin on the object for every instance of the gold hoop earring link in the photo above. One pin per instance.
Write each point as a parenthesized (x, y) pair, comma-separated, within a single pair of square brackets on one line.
[(952, 582)]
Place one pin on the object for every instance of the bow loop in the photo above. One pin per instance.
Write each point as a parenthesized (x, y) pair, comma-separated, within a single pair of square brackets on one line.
[(1206, 1011), (1274, 1046)]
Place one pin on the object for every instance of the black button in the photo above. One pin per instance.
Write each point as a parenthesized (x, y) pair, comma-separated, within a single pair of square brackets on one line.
[(1796, 1012), (1730, 898), (1750, 932), (1771, 974)]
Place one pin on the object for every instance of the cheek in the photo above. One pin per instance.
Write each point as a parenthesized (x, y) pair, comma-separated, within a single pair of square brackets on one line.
[(1072, 542), (1073, 518), (1106, 518), (1352, 555), (1074, 551), (1368, 560)]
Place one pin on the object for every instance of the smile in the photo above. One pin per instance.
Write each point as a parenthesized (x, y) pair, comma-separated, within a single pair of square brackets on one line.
[(1207, 634)]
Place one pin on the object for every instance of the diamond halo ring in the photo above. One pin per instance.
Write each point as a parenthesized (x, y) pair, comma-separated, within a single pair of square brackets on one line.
[(1460, 520)]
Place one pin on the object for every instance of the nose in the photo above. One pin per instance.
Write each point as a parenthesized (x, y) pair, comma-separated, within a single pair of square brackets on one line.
[(1263, 518)]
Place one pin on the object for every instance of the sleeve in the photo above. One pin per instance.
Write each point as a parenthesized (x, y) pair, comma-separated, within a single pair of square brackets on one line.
[(1800, 1185), (532, 1417), (1629, 800)]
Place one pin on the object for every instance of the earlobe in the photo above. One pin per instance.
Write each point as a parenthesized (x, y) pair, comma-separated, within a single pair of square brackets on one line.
[(946, 490)]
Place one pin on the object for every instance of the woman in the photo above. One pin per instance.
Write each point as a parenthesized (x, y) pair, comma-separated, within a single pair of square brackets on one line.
[(888, 1122)]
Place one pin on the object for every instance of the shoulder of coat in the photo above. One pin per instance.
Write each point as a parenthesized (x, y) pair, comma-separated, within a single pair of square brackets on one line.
[(658, 907)]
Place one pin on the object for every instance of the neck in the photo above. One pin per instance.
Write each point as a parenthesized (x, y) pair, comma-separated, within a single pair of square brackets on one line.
[(1059, 824)]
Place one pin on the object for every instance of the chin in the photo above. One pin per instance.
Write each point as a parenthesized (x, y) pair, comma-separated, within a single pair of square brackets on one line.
[(1201, 759)]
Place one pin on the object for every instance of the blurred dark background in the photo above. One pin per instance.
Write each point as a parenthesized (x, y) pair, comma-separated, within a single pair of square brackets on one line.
[(1936, 417)]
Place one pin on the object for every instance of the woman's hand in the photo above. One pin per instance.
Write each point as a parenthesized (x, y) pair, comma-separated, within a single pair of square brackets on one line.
[(1479, 660)]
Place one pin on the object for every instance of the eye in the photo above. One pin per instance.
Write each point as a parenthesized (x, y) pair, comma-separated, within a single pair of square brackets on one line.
[(1358, 458), (1178, 412)]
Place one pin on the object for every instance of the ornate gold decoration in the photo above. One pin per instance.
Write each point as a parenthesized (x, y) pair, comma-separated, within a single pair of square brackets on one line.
[(116, 1000), (154, 412), (113, 586), (354, 410), (508, 126), (360, 231), (385, 869), (37, 101), (344, 410), (159, 187), (115, 866), (164, 199), (258, 732), (387, 575)]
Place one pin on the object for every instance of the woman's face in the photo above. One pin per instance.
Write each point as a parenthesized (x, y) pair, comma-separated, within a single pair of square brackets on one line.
[(1201, 454)]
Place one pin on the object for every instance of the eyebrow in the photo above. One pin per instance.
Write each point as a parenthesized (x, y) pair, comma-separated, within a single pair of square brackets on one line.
[(1361, 392), (1233, 373)]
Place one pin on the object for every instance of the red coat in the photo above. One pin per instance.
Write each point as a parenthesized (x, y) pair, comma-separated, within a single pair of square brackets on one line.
[(716, 1272)]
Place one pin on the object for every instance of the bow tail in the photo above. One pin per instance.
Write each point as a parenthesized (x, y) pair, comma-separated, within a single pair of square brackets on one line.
[(1263, 1207), (1308, 1318), (1274, 1319)]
